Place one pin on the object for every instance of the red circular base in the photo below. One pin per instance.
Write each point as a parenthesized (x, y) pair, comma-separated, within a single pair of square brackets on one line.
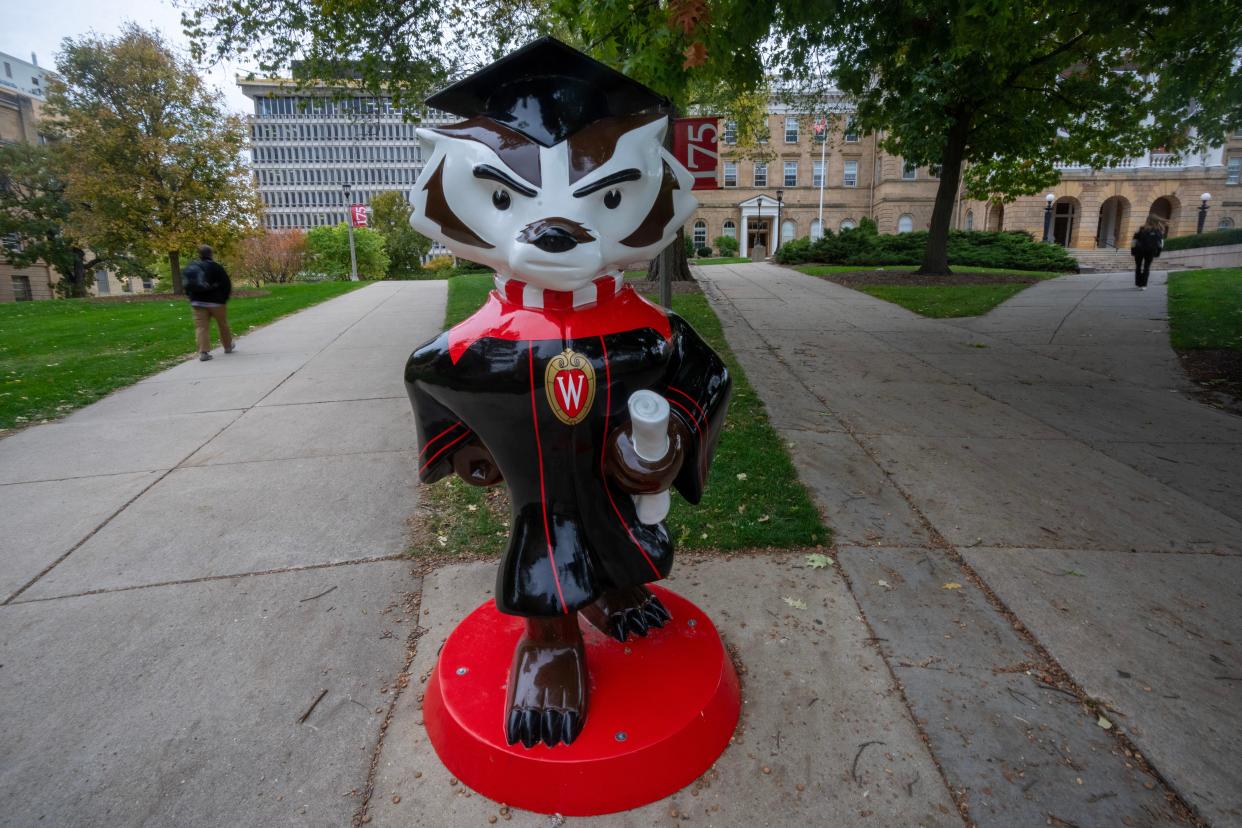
[(661, 709)]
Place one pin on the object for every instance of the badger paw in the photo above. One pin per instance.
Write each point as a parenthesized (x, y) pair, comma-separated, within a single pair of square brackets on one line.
[(547, 691), (619, 612)]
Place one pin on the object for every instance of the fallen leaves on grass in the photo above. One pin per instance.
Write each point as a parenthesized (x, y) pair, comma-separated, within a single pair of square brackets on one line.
[(817, 560)]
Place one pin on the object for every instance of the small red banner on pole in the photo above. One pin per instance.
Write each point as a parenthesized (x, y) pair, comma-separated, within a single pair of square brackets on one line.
[(358, 214), (695, 146)]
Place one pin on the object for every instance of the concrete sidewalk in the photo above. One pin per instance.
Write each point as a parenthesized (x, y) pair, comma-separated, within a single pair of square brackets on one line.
[(1037, 462), (189, 562)]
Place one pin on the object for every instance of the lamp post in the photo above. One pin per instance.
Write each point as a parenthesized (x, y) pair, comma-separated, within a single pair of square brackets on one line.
[(1048, 216), (776, 245), (1203, 208), (349, 222)]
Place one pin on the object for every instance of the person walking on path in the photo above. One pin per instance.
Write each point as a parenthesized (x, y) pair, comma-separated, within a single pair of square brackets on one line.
[(208, 286), (1147, 244)]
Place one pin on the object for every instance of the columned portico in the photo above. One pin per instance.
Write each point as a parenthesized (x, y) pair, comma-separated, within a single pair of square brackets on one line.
[(761, 211)]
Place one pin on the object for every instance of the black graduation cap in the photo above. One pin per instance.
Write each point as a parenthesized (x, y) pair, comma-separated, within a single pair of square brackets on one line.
[(547, 91)]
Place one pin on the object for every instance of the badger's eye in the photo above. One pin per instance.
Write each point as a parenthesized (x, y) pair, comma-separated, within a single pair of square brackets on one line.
[(501, 200), (612, 199)]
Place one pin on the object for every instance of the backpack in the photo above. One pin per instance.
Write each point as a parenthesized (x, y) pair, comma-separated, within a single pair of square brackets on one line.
[(194, 279)]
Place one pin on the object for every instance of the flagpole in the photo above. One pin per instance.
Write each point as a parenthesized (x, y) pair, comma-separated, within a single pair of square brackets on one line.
[(823, 172)]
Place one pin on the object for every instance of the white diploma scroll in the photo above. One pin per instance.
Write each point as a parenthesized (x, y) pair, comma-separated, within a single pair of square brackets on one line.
[(649, 421)]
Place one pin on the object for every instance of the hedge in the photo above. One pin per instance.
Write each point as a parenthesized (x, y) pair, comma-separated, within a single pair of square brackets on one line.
[(864, 246), (1215, 238)]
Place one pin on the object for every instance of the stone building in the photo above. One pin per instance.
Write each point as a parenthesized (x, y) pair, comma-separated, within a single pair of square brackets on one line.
[(23, 88), (1091, 207), (309, 143)]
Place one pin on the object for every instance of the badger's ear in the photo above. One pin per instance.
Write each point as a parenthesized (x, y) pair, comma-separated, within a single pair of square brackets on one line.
[(653, 130), (427, 140)]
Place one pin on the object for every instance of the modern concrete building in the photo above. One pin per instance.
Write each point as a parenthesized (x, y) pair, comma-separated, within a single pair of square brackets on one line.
[(23, 90), (308, 144), (1093, 208)]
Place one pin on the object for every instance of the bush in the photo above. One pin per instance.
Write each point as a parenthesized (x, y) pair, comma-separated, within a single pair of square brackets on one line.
[(689, 245), (705, 252), (441, 267), (727, 245), (1215, 238), (863, 246), (327, 249)]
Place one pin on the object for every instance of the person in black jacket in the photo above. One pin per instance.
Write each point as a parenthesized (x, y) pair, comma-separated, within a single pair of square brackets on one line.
[(1147, 243), (208, 286)]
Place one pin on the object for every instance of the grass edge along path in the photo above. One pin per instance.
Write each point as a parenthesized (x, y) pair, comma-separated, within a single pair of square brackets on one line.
[(1205, 329), (61, 354), (754, 498), (940, 301)]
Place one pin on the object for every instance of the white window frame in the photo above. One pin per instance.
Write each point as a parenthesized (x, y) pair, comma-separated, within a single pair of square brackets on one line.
[(851, 132), (970, 219), (729, 229), (1233, 170), (699, 235), (730, 132), (730, 173), (908, 221), (817, 230), (790, 181), (761, 174), (848, 224), (791, 128), (909, 172), (849, 173), (789, 231), (818, 170)]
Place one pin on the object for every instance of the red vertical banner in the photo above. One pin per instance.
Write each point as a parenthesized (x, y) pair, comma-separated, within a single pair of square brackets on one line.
[(695, 146), (358, 215)]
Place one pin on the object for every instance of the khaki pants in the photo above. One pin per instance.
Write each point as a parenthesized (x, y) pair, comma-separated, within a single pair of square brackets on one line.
[(202, 327)]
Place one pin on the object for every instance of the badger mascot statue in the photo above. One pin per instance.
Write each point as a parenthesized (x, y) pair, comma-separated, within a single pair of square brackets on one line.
[(557, 178)]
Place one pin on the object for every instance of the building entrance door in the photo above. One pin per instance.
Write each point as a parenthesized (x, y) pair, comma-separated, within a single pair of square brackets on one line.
[(757, 235), (1064, 215)]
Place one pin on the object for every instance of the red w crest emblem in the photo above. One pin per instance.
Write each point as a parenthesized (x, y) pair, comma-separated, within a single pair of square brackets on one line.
[(570, 385)]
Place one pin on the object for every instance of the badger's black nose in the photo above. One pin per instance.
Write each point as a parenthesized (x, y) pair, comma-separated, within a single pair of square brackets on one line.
[(555, 240)]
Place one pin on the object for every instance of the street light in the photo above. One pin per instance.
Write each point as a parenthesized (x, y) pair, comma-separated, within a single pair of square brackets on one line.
[(1048, 216), (349, 223), (1203, 208), (780, 194)]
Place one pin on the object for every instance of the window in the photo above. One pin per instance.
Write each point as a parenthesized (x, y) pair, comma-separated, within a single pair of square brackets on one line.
[(908, 171), (729, 229), (788, 229), (700, 234), (761, 174), (849, 174), (970, 219), (11, 242), (906, 223), (848, 224), (21, 285), (730, 173), (817, 230), (730, 132), (1233, 172), (1225, 223), (791, 129), (851, 132), (817, 173), (791, 173), (101, 282), (934, 170)]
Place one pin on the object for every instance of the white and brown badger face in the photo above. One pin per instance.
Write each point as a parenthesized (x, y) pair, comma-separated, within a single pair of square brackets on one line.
[(555, 217)]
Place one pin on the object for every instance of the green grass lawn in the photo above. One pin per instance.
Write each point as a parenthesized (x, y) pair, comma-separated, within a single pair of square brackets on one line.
[(1205, 309), (753, 499), (59, 355), (720, 260), (938, 301)]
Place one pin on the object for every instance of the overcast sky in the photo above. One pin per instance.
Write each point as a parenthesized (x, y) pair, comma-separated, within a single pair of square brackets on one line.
[(39, 26)]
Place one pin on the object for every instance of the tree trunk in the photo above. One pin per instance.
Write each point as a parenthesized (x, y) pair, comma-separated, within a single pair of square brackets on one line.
[(936, 255), (77, 280), (174, 266)]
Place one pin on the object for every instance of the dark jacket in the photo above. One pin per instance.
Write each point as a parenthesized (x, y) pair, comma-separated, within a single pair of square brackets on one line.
[(1147, 242), (206, 281), (575, 533)]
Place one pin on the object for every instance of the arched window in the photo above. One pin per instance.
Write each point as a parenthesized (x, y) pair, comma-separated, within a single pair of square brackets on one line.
[(729, 229), (906, 223), (817, 230), (848, 224), (1225, 223), (970, 219), (788, 228), (700, 234)]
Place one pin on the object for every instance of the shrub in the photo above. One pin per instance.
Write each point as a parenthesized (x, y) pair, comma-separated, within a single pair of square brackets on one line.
[(688, 242), (727, 245), (327, 248), (863, 246), (1215, 238), (441, 266), (270, 256), (705, 252)]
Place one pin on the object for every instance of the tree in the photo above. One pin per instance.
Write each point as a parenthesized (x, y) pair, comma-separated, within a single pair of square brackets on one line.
[(270, 256), (1006, 90), (327, 249), (155, 164), (35, 213), (405, 246)]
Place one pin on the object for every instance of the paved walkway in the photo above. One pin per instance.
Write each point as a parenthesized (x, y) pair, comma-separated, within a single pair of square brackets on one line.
[(1043, 457), (161, 554)]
